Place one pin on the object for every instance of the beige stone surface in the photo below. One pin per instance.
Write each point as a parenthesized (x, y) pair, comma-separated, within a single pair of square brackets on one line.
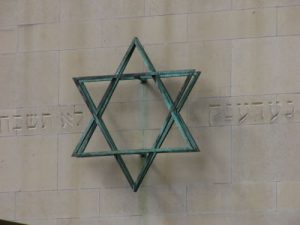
[(8, 80), (119, 32), (287, 20), (8, 12), (265, 66), (214, 61), (243, 4), (158, 200), (288, 195), (38, 155), (231, 24), (8, 38), (230, 197), (95, 9), (133, 220), (253, 150), (38, 11), (39, 37), (80, 35), (121, 8), (155, 7), (10, 172), (57, 204), (79, 9), (37, 82), (38, 221), (266, 153), (28, 163), (7, 205), (211, 164), (208, 5)]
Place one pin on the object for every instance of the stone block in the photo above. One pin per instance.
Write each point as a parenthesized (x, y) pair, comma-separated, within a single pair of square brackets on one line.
[(39, 37), (244, 4), (119, 32), (121, 8), (29, 163), (266, 153), (287, 20), (37, 82), (79, 10), (288, 195), (259, 65), (8, 39), (79, 35), (239, 197), (213, 59), (231, 24), (8, 80), (158, 200), (36, 11), (53, 204), (133, 220), (8, 12), (7, 205)]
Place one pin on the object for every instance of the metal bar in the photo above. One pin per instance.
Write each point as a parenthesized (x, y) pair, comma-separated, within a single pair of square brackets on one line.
[(136, 151), (179, 103), (172, 117), (144, 55), (87, 98), (135, 76)]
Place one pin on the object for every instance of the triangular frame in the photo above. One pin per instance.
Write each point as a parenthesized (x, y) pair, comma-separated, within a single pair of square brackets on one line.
[(174, 108)]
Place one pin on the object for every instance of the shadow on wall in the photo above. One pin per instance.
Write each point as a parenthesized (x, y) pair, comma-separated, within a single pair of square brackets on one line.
[(4, 222)]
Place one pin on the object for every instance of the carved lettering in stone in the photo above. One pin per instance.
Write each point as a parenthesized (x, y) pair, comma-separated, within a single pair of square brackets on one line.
[(291, 110), (4, 124), (275, 110), (214, 112), (31, 121), (258, 110), (228, 113), (18, 119), (46, 120), (243, 112)]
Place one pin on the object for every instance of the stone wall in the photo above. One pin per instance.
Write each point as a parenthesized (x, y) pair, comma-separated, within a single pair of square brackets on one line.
[(244, 112)]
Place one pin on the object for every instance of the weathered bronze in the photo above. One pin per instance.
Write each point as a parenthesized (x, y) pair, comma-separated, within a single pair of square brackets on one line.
[(174, 108)]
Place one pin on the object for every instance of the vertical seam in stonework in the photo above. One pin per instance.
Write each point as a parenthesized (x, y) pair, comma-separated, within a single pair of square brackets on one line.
[(99, 202), (231, 68), (57, 158), (59, 11), (276, 21), (276, 194), (186, 200), (230, 88), (15, 205)]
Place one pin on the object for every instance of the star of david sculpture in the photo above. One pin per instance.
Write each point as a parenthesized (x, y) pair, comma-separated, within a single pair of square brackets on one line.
[(173, 106)]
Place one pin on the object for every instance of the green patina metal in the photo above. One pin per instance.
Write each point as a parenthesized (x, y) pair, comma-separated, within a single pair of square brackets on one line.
[(174, 108)]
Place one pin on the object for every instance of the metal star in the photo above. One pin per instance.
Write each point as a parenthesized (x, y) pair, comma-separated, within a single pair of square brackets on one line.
[(173, 107)]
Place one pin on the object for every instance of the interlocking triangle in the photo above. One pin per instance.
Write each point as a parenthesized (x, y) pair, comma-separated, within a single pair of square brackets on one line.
[(173, 116)]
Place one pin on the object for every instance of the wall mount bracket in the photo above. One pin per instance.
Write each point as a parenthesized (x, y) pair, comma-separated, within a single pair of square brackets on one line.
[(174, 108)]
